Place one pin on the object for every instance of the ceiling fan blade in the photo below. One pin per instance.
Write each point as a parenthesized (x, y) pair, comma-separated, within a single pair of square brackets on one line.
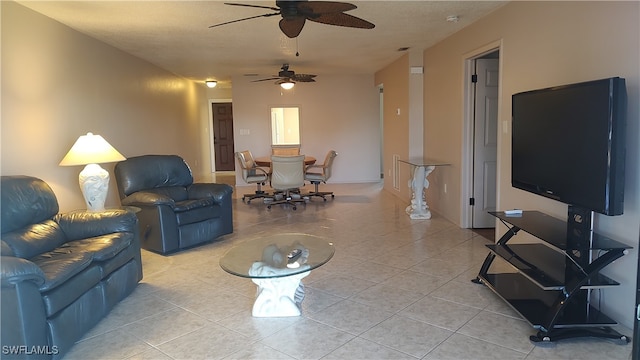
[(253, 6), (243, 19), (323, 7), (341, 19), (303, 77), (269, 79), (292, 26)]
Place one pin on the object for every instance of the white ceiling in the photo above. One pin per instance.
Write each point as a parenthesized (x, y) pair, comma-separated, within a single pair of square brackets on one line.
[(175, 35)]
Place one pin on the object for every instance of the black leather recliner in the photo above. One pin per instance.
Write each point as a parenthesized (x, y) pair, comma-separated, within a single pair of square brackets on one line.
[(175, 213), (61, 272)]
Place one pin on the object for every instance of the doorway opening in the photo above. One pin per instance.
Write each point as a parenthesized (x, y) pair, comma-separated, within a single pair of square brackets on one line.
[(480, 163), (221, 133)]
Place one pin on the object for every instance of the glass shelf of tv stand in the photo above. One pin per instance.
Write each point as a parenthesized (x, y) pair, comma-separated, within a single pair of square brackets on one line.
[(535, 304), (554, 231), (547, 268)]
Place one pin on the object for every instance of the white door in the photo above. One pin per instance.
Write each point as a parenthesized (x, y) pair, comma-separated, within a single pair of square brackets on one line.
[(485, 143)]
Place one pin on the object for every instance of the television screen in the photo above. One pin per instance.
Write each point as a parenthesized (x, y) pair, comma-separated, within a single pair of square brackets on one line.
[(568, 144)]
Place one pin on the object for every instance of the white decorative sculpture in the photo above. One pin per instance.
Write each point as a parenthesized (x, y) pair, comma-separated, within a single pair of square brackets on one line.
[(419, 208), (280, 291)]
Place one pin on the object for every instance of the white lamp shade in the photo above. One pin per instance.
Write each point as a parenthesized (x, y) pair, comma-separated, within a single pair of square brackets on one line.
[(211, 83), (91, 149), (287, 85)]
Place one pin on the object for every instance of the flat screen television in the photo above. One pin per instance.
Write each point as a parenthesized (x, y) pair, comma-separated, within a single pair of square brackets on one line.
[(568, 144)]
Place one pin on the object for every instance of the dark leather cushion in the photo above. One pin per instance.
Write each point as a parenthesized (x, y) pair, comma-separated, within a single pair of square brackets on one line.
[(188, 205), (151, 171), (59, 266), (102, 247), (177, 193), (198, 214), (25, 200), (67, 292), (69, 259), (34, 239), (82, 224)]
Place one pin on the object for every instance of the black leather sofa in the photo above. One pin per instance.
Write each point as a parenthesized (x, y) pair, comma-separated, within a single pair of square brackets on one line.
[(61, 272), (176, 213)]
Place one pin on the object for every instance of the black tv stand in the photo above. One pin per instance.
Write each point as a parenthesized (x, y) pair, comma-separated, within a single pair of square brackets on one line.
[(551, 282)]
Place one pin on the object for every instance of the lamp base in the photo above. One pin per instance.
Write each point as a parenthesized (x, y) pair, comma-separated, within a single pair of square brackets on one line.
[(94, 183)]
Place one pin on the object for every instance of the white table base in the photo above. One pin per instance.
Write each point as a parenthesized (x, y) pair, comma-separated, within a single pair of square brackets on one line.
[(279, 296), (419, 208)]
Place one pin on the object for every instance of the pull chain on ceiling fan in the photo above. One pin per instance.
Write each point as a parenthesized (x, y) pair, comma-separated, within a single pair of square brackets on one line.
[(296, 13)]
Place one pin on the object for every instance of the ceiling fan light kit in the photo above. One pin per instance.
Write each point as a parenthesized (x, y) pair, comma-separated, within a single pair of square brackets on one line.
[(288, 85), (287, 78)]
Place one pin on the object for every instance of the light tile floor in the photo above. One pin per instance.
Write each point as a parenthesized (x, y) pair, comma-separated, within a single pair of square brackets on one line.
[(395, 289)]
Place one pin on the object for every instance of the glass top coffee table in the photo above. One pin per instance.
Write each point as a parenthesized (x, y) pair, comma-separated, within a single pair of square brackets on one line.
[(276, 264)]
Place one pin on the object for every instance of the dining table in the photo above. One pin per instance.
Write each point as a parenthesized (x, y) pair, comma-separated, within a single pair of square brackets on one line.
[(266, 160)]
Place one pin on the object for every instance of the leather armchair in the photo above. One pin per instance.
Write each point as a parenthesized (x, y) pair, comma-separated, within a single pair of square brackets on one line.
[(175, 213)]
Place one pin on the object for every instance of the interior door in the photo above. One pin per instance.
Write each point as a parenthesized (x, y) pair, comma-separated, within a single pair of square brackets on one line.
[(223, 136), (485, 143)]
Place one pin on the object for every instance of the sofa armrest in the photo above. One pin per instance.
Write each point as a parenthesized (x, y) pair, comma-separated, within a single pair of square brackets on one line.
[(16, 270), (23, 319), (144, 198), (82, 224), (204, 190)]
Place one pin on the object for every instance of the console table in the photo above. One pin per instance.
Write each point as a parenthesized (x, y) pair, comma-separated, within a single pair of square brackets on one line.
[(551, 284), (418, 209)]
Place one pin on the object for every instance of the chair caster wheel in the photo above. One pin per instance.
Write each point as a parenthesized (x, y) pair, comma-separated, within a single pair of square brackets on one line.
[(332, 196), (249, 202), (325, 199), (295, 208), (269, 207)]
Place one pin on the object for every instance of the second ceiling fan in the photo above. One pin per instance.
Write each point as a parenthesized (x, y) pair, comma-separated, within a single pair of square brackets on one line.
[(286, 78), (296, 13)]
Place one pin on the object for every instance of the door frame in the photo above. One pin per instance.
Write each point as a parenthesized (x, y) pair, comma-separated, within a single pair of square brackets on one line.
[(212, 150), (468, 128)]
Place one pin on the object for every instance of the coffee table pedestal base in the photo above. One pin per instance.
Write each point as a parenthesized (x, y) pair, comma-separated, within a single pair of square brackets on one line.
[(278, 297)]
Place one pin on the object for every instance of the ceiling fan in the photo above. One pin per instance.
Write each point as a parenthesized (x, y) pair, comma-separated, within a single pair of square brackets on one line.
[(287, 78), (295, 13)]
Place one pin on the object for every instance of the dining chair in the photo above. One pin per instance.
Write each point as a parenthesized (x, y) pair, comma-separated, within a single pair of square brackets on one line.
[(252, 174), (285, 150), (318, 173), (287, 176)]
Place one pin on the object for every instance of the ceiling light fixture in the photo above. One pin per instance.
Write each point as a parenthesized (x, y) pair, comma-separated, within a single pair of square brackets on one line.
[(288, 85), (453, 18), (211, 83)]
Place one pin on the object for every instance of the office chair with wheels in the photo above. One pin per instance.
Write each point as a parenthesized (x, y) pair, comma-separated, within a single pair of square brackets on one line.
[(318, 173), (287, 176), (252, 174), (285, 150)]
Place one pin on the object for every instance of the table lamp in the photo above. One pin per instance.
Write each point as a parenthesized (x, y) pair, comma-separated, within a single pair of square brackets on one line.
[(90, 150)]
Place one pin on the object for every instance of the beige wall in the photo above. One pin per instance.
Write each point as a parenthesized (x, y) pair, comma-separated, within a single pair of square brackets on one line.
[(58, 84), (543, 44), (336, 112), (394, 80)]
